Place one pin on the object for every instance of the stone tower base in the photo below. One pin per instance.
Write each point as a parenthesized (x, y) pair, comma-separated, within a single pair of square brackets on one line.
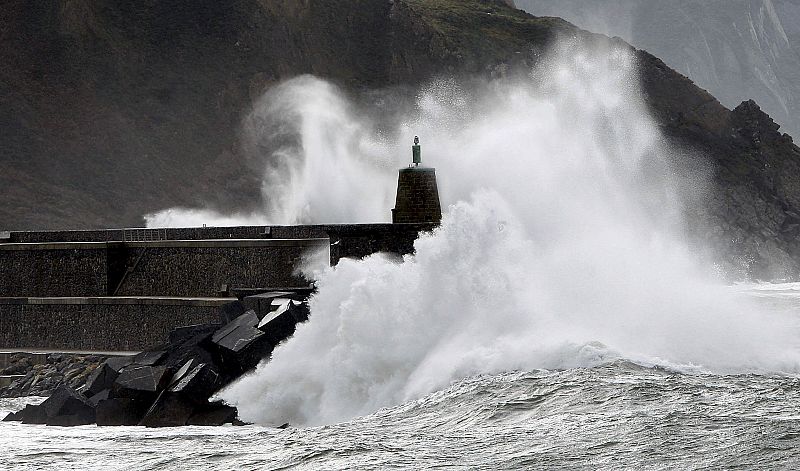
[(417, 196)]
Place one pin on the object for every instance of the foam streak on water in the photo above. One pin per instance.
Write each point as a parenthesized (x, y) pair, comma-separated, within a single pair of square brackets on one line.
[(613, 416), (560, 248)]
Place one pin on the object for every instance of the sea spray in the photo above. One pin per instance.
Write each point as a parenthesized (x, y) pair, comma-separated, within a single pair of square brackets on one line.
[(561, 247), (189, 217), (320, 158)]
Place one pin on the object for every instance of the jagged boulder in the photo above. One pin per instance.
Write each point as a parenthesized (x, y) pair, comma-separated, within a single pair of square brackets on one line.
[(118, 363), (102, 377), (262, 303), (68, 407), (149, 358), (101, 396), (169, 410), (65, 407), (200, 382), (182, 335), (280, 323), (240, 345), (213, 414), (140, 382), (31, 414), (120, 411)]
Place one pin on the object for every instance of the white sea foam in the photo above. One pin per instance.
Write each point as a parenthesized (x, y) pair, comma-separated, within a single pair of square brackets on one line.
[(560, 248)]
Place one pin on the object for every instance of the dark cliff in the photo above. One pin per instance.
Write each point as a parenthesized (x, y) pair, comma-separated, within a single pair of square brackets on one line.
[(114, 109), (736, 49)]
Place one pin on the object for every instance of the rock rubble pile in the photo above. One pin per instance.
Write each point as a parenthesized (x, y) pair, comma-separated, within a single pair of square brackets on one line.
[(171, 385)]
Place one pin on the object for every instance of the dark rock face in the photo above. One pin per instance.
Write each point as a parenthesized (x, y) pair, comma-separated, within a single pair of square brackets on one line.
[(169, 410), (698, 38), (30, 414), (140, 381), (170, 386), (201, 381)]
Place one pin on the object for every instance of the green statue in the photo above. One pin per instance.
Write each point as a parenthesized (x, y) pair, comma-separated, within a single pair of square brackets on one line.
[(416, 151)]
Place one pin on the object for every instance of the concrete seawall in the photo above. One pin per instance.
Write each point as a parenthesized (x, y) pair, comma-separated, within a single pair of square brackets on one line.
[(99, 323), (159, 268), (125, 289)]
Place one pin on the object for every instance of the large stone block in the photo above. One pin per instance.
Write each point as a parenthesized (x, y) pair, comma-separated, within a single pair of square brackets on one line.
[(280, 323), (240, 338), (118, 363), (262, 303), (67, 401), (184, 334), (120, 411), (248, 319), (31, 414), (149, 358), (102, 377), (64, 407), (169, 410), (194, 348), (198, 383), (213, 414), (101, 396), (140, 382), (71, 420)]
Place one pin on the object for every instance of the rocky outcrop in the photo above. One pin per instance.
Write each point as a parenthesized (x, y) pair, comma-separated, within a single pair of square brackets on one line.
[(753, 211)]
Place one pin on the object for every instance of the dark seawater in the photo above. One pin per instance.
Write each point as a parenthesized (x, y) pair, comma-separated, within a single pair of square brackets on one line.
[(619, 415)]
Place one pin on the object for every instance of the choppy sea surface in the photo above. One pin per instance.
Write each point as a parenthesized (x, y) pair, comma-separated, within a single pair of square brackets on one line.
[(617, 415)]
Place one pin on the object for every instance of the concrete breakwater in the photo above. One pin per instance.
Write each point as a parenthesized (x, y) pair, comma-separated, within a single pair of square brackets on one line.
[(172, 385), (187, 268), (126, 289), (123, 324)]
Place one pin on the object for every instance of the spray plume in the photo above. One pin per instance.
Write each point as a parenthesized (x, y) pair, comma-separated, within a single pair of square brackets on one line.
[(561, 246)]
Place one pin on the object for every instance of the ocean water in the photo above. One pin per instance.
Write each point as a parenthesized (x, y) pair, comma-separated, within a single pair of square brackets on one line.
[(617, 414), (610, 416)]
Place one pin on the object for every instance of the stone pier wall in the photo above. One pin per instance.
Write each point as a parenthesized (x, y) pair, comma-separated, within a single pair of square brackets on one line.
[(125, 289), (162, 268), (59, 269), (98, 324), (207, 268)]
